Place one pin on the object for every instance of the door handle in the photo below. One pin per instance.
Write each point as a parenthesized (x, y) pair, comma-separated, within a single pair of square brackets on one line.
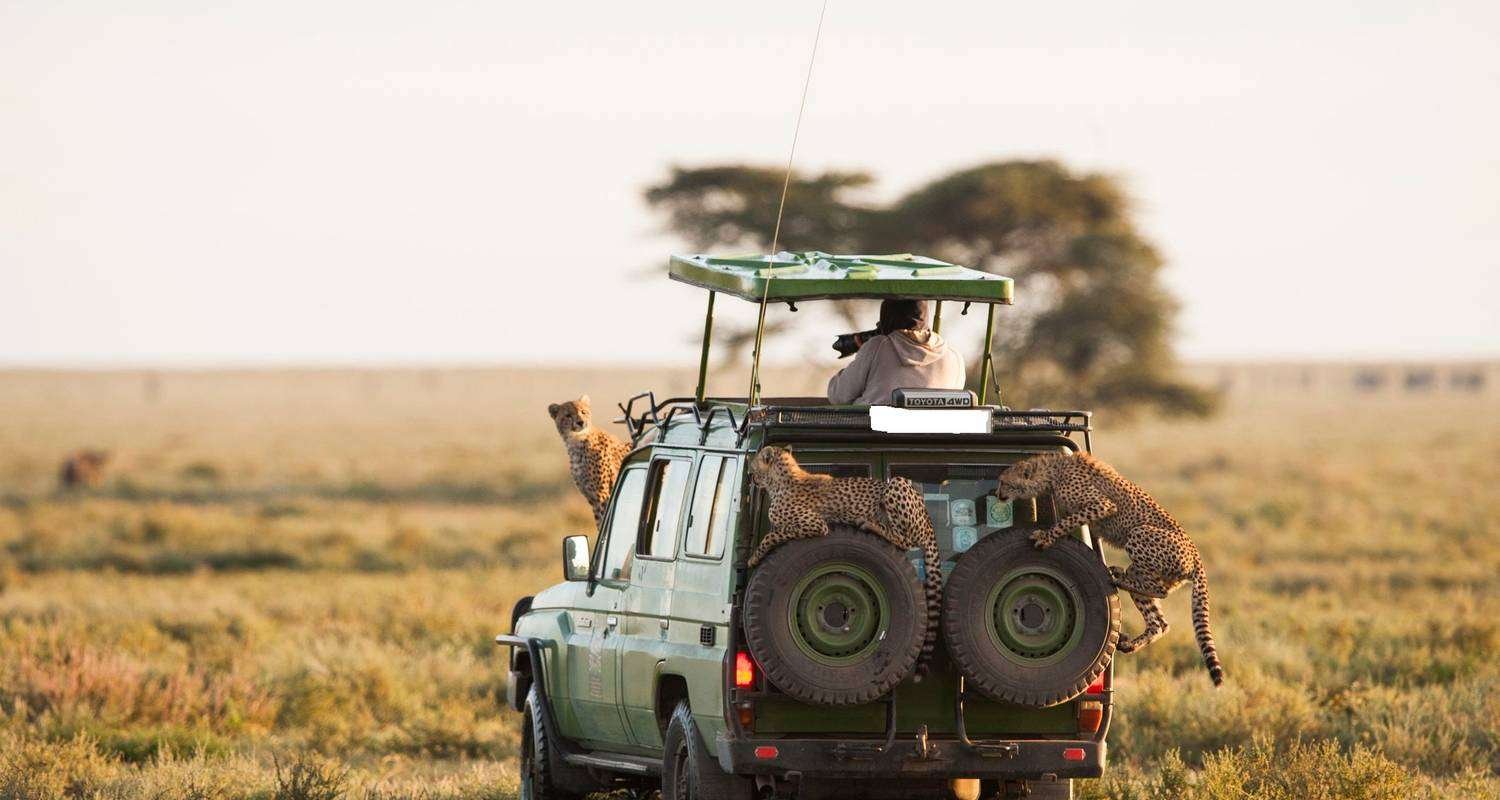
[(611, 621), (665, 623)]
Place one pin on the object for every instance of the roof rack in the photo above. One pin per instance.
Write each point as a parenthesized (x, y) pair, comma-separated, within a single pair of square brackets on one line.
[(803, 412), (659, 415), (637, 425)]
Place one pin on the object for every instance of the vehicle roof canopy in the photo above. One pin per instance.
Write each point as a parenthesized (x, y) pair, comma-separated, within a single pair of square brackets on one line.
[(815, 275)]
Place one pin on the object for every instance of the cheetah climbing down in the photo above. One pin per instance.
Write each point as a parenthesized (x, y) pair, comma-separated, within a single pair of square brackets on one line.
[(594, 456), (1088, 491), (804, 504)]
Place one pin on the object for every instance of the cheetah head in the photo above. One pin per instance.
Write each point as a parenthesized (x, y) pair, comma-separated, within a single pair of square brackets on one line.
[(1023, 479), (572, 417), (772, 465)]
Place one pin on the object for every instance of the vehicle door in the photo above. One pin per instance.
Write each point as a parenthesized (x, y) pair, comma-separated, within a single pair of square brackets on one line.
[(594, 638), (702, 596), (648, 597)]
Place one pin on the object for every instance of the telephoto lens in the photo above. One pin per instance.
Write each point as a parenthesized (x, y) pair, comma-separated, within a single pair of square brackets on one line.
[(848, 344)]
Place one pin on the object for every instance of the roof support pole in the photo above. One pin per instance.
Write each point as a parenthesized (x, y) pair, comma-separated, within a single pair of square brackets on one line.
[(937, 316), (760, 333), (984, 363), (708, 334)]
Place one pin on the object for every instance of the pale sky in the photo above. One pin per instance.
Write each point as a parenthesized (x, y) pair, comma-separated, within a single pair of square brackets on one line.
[(367, 182)]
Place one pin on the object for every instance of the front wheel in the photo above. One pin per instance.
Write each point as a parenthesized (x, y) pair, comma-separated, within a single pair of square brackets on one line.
[(689, 771), (544, 776)]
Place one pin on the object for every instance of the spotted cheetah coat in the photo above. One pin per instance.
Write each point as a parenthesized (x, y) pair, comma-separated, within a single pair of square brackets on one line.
[(804, 504), (1088, 491), (594, 456)]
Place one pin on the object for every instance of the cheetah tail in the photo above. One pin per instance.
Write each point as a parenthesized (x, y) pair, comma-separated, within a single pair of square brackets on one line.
[(933, 589), (1200, 627)]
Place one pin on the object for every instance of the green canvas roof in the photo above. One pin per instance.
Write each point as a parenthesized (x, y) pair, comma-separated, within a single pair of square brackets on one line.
[(815, 275)]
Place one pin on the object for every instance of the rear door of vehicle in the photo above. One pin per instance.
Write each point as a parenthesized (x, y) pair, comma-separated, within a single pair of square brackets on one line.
[(960, 492), (648, 596), (958, 486)]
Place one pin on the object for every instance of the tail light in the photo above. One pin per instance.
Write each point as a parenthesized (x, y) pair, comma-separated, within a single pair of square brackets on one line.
[(1090, 716), (1097, 687), (1073, 754), (744, 670)]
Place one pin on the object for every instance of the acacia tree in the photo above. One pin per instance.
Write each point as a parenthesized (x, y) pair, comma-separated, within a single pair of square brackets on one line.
[(1093, 322)]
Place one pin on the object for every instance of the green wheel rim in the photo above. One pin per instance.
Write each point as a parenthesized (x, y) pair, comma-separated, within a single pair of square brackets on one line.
[(1032, 616), (838, 614)]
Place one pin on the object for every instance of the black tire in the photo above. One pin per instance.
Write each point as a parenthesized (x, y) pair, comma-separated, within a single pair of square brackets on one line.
[(836, 620), (1028, 626), (544, 776), (689, 771)]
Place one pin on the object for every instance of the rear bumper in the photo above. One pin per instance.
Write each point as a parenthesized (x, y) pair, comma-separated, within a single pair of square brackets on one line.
[(908, 757)]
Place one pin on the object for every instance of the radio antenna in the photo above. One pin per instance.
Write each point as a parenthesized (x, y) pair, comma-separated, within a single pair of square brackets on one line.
[(786, 182)]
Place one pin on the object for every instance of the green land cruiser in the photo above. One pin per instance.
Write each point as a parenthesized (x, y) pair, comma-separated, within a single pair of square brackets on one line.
[(663, 661)]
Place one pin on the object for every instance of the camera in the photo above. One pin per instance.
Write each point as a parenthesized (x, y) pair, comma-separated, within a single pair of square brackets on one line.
[(848, 344)]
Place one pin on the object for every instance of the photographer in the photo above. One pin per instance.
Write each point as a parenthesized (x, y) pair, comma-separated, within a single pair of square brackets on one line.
[(902, 353)]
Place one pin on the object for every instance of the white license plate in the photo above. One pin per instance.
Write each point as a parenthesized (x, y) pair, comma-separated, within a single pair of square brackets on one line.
[(889, 419)]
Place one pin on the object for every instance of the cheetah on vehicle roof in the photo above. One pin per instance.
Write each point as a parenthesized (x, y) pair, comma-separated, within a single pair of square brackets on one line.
[(1090, 492), (803, 504)]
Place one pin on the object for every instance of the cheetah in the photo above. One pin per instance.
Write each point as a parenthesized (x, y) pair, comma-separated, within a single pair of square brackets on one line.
[(803, 504), (83, 469), (594, 456), (1090, 492)]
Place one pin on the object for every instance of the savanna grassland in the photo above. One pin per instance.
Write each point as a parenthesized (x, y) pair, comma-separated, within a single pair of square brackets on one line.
[(288, 581)]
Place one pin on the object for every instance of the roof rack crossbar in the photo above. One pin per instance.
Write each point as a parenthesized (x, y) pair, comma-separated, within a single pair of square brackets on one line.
[(637, 426), (707, 422)]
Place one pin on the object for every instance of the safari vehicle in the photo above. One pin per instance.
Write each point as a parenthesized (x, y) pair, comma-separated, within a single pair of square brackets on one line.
[(641, 670)]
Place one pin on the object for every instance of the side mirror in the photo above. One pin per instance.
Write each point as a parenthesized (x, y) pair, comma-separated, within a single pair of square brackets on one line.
[(576, 558)]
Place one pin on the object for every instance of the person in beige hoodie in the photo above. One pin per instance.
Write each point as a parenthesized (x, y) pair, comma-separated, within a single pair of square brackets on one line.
[(906, 354)]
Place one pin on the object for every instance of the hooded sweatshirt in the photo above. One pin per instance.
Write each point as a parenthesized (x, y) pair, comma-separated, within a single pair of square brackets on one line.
[(909, 359)]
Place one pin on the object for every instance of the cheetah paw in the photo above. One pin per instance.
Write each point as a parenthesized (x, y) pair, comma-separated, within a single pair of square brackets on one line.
[(1043, 539)]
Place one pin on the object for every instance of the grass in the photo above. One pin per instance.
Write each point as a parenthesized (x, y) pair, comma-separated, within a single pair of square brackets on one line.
[(287, 586)]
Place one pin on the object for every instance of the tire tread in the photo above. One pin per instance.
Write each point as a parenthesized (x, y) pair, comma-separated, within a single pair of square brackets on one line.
[(758, 595), (958, 608)]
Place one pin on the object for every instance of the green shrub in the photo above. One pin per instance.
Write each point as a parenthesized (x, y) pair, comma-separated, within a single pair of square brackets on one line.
[(310, 778)]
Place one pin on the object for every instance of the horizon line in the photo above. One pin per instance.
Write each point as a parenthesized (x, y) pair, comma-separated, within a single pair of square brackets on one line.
[(399, 365)]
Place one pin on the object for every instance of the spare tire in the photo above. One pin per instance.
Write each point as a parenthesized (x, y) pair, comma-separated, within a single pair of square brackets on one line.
[(838, 619), (1028, 626)]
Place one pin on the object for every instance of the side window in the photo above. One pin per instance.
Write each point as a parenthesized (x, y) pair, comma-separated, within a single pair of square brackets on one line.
[(713, 497), (658, 539), (624, 523)]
